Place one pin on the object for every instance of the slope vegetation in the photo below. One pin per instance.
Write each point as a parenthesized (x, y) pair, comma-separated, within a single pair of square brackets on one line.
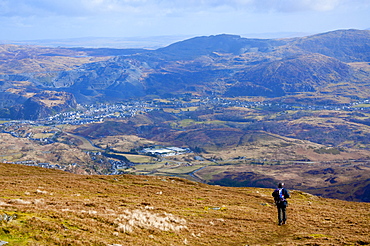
[(47, 207)]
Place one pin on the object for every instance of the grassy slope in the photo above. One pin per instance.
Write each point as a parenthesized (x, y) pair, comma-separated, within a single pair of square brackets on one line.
[(58, 208)]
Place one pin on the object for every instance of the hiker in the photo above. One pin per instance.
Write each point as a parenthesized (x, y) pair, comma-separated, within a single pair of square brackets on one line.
[(280, 195)]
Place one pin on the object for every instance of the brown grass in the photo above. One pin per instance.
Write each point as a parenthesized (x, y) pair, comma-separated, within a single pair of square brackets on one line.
[(57, 208)]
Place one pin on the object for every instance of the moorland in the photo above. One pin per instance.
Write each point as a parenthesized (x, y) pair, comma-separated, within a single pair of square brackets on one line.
[(41, 206)]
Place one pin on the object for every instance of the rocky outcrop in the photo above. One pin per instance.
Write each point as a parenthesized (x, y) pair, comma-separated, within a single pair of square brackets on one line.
[(304, 73), (116, 79)]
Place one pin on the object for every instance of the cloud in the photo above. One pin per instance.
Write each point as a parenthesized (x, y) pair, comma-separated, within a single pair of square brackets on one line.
[(286, 5), (26, 8), (303, 5), (252, 5), (153, 7), (40, 19)]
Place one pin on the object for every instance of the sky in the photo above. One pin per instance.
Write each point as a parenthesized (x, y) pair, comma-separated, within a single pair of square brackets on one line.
[(64, 19)]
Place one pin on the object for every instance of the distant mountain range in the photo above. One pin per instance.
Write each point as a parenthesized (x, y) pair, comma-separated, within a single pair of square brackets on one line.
[(334, 63)]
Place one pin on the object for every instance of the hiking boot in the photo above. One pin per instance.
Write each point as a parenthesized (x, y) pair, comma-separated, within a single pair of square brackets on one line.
[(280, 223), (284, 222)]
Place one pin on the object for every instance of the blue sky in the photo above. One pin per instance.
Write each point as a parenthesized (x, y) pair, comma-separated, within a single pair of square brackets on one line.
[(59, 19)]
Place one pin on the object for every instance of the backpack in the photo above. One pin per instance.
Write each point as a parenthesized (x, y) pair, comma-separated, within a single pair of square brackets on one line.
[(279, 196)]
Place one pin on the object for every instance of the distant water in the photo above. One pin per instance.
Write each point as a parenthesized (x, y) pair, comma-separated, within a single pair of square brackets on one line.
[(154, 42), (102, 42)]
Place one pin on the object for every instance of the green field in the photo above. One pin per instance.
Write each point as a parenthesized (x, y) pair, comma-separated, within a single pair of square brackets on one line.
[(188, 122), (182, 169), (363, 105), (144, 168), (43, 135), (139, 158)]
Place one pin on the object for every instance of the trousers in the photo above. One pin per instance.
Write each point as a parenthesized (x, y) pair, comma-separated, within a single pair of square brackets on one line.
[(282, 217)]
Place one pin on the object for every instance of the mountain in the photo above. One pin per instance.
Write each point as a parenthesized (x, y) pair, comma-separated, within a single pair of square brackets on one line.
[(196, 65), (47, 207), (226, 44), (222, 65)]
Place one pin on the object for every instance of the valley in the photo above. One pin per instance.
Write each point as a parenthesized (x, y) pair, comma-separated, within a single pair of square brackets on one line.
[(107, 139), (248, 111)]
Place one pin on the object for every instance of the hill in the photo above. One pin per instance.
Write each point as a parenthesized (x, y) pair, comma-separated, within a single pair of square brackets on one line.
[(48, 207), (304, 73), (224, 44), (353, 45), (43, 104)]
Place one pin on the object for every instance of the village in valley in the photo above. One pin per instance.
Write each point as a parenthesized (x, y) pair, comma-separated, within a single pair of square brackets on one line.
[(47, 131)]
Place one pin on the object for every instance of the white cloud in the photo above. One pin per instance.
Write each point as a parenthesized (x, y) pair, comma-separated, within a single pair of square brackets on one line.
[(34, 19), (89, 7), (297, 5), (41, 7)]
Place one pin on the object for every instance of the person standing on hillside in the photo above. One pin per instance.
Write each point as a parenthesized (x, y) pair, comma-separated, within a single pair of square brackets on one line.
[(280, 195)]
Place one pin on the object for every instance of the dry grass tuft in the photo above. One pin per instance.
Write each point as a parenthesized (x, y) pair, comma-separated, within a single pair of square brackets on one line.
[(146, 220)]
